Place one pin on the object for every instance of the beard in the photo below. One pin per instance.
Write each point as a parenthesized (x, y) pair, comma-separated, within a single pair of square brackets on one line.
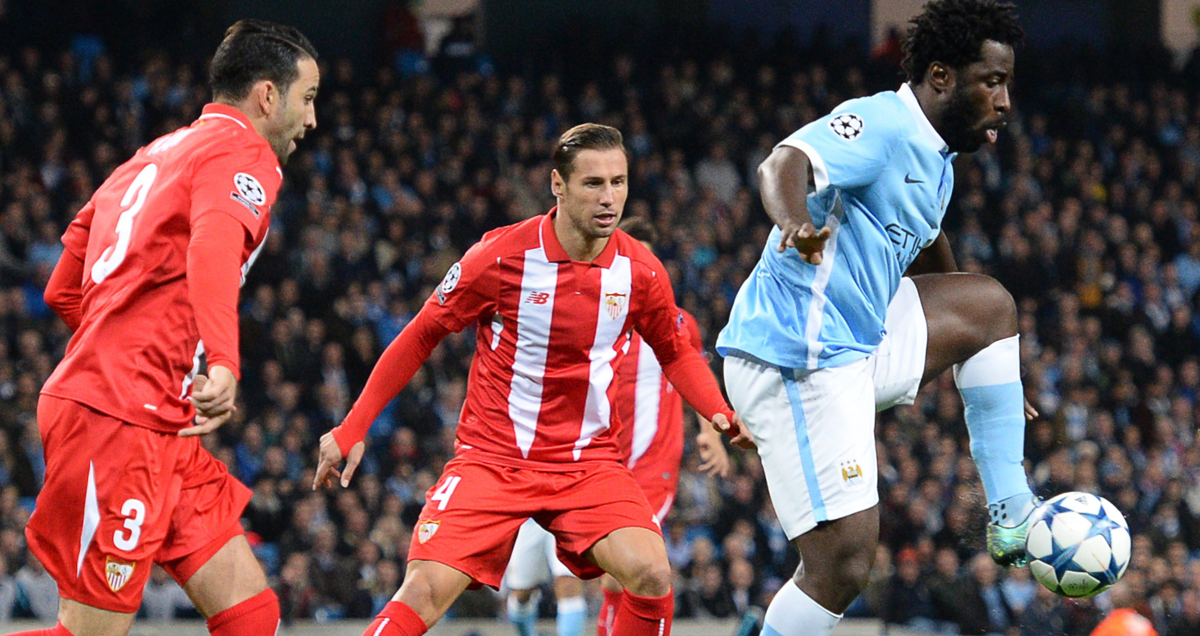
[(960, 124)]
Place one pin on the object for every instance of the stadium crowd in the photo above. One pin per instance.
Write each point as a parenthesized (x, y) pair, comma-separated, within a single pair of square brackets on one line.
[(1086, 210)]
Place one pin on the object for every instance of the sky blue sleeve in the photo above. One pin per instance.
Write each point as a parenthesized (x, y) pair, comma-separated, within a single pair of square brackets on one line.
[(849, 147)]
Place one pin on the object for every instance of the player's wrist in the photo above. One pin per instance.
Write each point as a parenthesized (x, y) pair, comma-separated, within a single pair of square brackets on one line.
[(344, 438), (228, 365)]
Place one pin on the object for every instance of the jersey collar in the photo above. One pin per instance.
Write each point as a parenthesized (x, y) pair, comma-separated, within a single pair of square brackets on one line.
[(555, 252), (928, 133), (224, 111)]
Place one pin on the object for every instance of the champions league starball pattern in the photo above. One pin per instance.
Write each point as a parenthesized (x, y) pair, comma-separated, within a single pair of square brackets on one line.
[(1078, 544)]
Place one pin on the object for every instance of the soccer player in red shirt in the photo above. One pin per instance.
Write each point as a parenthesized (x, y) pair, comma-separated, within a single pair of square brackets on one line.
[(149, 283), (553, 299)]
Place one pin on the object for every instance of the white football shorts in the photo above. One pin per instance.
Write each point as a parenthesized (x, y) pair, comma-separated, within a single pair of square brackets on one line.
[(815, 430)]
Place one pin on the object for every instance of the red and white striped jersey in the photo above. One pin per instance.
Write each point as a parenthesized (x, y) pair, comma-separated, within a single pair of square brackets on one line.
[(551, 334), (652, 412)]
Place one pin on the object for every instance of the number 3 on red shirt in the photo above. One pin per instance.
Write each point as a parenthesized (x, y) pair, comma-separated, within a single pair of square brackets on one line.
[(131, 204)]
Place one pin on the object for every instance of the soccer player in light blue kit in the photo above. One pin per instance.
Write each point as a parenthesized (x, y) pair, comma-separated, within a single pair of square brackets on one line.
[(827, 329)]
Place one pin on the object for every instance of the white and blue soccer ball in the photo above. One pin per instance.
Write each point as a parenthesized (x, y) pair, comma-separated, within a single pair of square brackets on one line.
[(1078, 544)]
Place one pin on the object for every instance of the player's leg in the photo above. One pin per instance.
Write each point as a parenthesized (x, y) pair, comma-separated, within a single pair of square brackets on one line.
[(465, 534), (637, 559), (101, 515), (815, 435), (972, 327), (571, 606), (527, 571), (207, 553), (429, 589), (603, 523), (230, 590), (613, 595)]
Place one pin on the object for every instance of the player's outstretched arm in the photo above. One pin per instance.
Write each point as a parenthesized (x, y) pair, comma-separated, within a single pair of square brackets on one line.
[(395, 368), (785, 176)]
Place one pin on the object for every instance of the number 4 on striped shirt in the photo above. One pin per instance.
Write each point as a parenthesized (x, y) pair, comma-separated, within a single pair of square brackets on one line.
[(443, 493)]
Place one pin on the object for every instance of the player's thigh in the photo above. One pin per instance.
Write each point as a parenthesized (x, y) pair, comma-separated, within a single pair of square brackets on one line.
[(85, 620), (529, 565), (593, 505), (815, 432), (636, 558), (106, 504), (472, 516), (227, 578), (430, 588), (206, 552), (899, 363)]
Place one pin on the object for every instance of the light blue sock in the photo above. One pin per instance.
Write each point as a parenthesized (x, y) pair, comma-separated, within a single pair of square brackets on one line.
[(572, 615), (524, 616), (994, 408)]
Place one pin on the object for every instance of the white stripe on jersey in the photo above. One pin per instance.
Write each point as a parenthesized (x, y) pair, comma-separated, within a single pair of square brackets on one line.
[(816, 311), (535, 308), (254, 256), (647, 392), (615, 285)]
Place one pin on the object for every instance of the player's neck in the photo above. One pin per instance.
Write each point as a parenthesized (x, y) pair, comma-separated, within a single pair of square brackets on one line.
[(927, 97), (577, 245)]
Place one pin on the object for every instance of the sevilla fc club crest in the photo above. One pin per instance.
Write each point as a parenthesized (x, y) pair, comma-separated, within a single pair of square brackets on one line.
[(426, 529), (117, 573), (615, 304)]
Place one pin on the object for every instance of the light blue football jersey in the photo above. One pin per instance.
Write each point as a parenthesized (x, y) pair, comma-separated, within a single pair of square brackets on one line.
[(882, 179)]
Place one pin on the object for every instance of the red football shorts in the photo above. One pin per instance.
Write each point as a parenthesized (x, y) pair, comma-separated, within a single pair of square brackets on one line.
[(472, 515), (119, 497)]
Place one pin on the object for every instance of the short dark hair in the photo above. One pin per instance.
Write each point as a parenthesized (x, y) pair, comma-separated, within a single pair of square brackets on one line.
[(640, 228), (953, 32), (255, 50), (584, 137)]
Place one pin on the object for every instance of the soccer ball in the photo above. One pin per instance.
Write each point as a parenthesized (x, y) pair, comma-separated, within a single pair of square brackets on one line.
[(1078, 544)]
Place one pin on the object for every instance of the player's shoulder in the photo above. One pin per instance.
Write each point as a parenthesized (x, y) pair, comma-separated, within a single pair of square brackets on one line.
[(879, 116), (509, 240), (642, 260)]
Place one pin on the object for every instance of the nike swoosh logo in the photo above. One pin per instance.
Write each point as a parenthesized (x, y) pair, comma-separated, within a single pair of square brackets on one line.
[(909, 179)]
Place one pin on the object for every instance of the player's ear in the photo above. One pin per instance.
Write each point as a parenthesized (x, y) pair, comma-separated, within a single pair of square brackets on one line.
[(557, 184), (266, 96), (940, 77)]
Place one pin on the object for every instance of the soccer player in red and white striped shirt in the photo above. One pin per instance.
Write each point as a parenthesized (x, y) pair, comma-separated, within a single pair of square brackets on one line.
[(554, 299)]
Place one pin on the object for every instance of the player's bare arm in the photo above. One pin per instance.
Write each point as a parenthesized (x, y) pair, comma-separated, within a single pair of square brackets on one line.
[(785, 176)]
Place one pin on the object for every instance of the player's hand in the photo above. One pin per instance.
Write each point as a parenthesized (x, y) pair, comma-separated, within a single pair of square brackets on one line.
[(1030, 412), (329, 456), (807, 240), (734, 429), (214, 397), (714, 460)]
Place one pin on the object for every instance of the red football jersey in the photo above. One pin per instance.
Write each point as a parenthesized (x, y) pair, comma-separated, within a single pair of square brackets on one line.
[(137, 348), (651, 412), (551, 334)]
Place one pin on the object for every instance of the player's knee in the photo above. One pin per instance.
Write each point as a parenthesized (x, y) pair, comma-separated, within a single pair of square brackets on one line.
[(522, 596), (652, 579), (999, 307), (420, 593)]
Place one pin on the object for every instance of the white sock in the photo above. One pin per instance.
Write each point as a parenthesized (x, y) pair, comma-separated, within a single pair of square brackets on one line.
[(794, 613)]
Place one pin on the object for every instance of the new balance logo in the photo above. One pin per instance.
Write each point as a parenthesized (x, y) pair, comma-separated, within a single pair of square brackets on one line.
[(538, 298)]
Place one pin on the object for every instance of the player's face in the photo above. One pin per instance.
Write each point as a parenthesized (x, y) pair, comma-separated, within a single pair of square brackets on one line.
[(979, 101), (594, 196), (297, 113)]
